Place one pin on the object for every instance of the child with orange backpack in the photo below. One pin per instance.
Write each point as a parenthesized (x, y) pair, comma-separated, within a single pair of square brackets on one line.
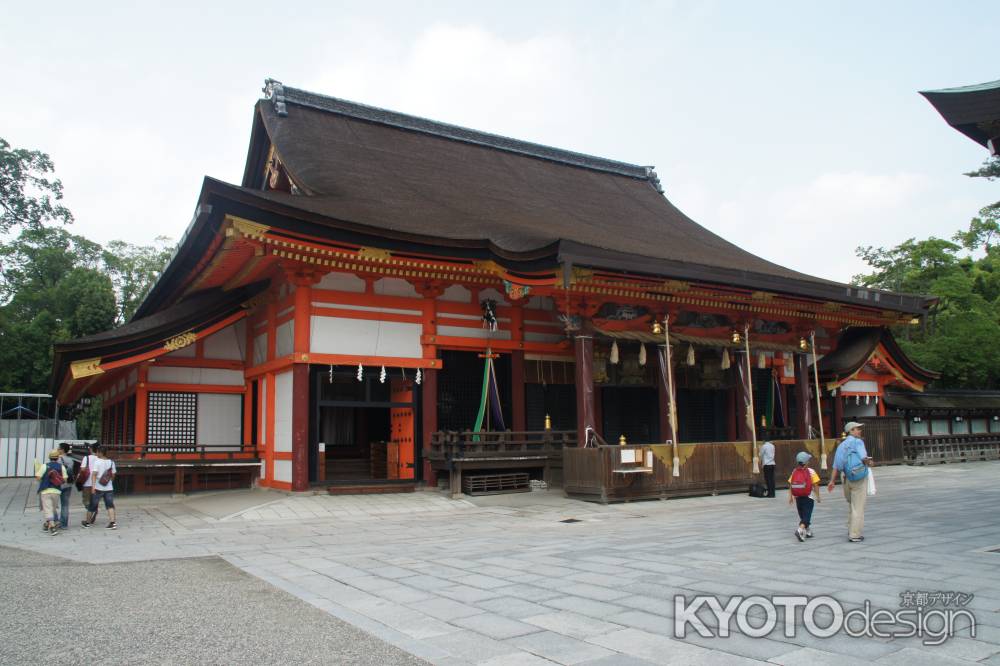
[(803, 482)]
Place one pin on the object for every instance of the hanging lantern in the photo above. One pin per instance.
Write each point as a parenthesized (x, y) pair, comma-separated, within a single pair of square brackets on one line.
[(725, 359), (621, 440), (642, 354), (420, 377), (736, 337), (613, 356), (690, 355), (803, 344), (548, 422), (361, 372), (761, 361), (381, 375), (867, 398), (657, 329)]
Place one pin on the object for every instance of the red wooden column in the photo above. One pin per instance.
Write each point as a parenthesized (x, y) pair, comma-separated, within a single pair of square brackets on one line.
[(429, 393), (583, 351), (664, 392), (803, 397), (838, 416), (300, 382), (518, 417), (270, 383), (141, 408), (300, 426)]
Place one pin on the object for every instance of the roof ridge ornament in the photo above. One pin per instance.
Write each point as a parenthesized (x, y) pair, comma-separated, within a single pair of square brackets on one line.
[(274, 90), (654, 179)]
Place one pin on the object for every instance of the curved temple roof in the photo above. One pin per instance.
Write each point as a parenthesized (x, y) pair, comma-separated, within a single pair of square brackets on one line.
[(972, 110)]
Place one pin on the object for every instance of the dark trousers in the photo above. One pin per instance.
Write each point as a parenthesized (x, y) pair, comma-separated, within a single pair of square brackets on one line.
[(64, 507), (769, 480), (805, 506)]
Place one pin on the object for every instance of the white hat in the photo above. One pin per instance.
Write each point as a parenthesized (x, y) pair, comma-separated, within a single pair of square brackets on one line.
[(852, 425)]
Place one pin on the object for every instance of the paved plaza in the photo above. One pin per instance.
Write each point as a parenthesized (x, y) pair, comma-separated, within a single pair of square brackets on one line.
[(505, 580)]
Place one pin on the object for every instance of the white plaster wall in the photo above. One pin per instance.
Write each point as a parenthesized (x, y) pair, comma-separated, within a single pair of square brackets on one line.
[(463, 332), (456, 293), (540, 303), (219, 420), (195, 376), (283, 413), (184, 352), (859, 386), (260, 349), (395, 287), (494, 294), (283, 470), (342, 282), (228, 343), (284, 338), (531, 336), (338, 335)]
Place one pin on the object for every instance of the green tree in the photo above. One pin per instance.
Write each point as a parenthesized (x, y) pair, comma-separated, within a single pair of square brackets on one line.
[(54, 290), (29, 198), (133, 270)]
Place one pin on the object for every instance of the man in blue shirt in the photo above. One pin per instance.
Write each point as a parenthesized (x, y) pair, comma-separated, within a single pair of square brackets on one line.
[(855, 492)]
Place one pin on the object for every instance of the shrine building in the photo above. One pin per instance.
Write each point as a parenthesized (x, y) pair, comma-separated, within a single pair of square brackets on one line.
[(386, 300)]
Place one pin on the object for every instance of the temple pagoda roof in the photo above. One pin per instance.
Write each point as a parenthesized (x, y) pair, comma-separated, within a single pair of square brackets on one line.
[(397, 179), (972, 110)]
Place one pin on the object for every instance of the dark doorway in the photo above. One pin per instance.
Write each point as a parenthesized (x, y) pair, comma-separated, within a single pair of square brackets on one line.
[(630, 411), (460, 388), (367, 426), (701, 415)]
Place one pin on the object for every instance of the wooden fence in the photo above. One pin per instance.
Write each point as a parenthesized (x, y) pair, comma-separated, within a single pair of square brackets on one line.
[(598, 473)]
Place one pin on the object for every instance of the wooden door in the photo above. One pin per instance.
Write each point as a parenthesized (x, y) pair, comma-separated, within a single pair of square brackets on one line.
[(401, 431)]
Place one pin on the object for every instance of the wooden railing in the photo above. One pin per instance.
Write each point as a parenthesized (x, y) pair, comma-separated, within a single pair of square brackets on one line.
[(468, 445), (181, 452), (928, 449)]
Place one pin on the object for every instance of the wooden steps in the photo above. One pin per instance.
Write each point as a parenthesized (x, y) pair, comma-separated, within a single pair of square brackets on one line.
[(371, 487)]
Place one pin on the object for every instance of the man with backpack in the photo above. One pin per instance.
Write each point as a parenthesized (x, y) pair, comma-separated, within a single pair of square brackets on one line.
[(803, 482), (67, 487), (50, 480), (852, 461)]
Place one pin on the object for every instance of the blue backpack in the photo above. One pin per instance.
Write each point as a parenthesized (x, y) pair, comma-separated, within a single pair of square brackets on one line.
[(854, 465)]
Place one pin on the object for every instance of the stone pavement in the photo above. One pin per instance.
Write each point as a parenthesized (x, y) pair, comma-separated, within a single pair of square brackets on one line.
[(503, 580)]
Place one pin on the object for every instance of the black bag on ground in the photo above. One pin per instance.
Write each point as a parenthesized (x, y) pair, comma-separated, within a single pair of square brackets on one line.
[(757, 490)]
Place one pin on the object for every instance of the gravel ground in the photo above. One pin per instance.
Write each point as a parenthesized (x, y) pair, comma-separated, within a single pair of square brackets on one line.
[(183, 611)]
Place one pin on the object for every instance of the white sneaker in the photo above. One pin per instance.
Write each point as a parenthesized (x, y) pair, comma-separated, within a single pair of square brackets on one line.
[(809, 534), (800, 534)]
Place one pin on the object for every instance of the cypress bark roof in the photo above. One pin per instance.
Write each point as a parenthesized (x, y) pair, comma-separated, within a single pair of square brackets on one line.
[(412, 176), (970, 109)]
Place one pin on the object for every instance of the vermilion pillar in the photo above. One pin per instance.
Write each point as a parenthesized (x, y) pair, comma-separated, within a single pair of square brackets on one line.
[(838, 416), (803, 397), (583, 351), (300, 426), (429, 393), (141, 408)]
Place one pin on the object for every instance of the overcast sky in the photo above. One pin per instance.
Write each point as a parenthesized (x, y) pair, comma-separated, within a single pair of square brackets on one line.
[(793, 129)]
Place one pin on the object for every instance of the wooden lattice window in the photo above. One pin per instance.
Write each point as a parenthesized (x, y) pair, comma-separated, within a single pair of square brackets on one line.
[(172, 419)]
